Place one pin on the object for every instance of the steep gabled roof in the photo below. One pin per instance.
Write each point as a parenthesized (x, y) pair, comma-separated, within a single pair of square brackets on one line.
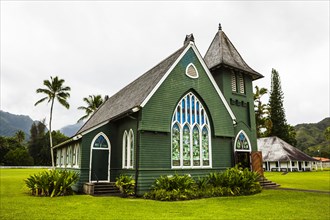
[(223, 53), (275, 149), (132, 95)]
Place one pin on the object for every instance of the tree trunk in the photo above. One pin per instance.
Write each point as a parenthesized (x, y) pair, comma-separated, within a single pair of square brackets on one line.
[(50, 134)]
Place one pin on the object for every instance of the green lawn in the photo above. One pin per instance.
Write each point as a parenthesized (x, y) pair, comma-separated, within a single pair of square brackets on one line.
[(301, 180), (16, 203)]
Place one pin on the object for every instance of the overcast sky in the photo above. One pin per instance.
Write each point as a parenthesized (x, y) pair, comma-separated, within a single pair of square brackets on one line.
[(99, 47)]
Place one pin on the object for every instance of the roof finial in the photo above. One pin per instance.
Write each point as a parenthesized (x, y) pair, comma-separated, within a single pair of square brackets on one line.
[(220, 28), (188, 39)]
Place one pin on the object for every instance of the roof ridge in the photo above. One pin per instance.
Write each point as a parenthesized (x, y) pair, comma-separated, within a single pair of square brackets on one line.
[(132, 100)]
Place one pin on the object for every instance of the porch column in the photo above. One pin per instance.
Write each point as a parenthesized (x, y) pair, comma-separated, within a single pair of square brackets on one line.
[(268, 168), (279, 165), (304, 165), (291, 165)]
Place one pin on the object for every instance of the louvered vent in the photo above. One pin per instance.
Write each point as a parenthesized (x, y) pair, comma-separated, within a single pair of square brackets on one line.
[(191, 71), (241, 84), (233, 82)]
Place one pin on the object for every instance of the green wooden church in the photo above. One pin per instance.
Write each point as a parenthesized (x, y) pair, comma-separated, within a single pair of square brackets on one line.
[(187, 115)]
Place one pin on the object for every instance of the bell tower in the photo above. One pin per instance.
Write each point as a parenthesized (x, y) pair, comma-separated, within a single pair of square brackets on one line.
[(234, 78)]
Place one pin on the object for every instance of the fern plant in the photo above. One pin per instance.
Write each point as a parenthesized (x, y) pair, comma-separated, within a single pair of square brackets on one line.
[(126, 185)]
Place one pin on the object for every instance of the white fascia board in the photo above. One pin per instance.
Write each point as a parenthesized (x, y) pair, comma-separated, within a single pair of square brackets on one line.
[(95, 127), (165, 76), (215, 85), (201, 60)]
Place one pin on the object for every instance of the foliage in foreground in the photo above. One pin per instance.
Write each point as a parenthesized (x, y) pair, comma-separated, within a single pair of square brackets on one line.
[(232, 182), (52, 183), (17, 204), (125, 184)]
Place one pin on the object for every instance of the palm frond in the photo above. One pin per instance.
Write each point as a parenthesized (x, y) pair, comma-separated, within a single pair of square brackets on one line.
[(41, 100)]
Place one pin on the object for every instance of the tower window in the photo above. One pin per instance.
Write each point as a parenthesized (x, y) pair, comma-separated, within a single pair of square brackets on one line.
[(237, 83)]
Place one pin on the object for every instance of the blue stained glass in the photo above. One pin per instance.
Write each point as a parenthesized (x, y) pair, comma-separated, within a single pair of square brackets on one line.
[(188, 117), (101, 142), (193, 103), (193, 118), (188, 102), (241, 137), (202, 113), (183, 104), (178, 114), (198, 118), (183, 117)]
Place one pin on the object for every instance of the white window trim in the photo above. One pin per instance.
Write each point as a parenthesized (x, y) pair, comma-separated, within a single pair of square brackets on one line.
[(58, 157), (128, 140), (187, 68), (191, 127), (77, 151), (63, 161), (248, 140)]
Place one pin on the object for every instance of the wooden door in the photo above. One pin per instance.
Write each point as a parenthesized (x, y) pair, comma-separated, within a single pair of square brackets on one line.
[(257, 162)]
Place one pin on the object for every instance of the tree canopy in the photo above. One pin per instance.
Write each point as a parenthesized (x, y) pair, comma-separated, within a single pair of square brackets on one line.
[(280, 127), (93, 102)]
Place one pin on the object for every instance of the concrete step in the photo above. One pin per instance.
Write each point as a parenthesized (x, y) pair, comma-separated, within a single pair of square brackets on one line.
[(106, 189), (267, 184)]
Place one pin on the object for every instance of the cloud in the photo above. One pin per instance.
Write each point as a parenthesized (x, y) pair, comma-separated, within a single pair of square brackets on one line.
[(99, 47)]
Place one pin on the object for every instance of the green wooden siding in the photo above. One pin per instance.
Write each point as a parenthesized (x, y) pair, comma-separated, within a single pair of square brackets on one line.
[(152, 140), (157, 113), (241, 104)]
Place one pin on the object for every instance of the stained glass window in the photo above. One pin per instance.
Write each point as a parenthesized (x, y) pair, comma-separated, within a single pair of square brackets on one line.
[(176, 145), (191, 142), (100, 142), (242, 142)]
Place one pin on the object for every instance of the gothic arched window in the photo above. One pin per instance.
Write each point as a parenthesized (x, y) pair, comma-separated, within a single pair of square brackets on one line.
[(190, 130)]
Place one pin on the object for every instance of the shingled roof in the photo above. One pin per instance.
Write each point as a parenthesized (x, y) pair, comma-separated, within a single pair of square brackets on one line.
[(275, 149), (223, 53), (132, 95)]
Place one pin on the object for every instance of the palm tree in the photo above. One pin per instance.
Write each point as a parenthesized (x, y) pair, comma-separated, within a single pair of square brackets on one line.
[(261, 113), (20, 136), (54, 90), (93, 102)]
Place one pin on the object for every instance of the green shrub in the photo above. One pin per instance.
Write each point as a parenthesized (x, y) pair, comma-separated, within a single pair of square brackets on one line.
[(52, 183), (232, 182), (125, 184), (175, 182)]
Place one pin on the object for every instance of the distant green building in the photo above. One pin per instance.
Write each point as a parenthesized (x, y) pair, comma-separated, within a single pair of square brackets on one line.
[(187, 115)]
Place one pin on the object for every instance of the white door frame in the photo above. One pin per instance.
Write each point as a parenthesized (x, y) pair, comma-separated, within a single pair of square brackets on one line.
[(91, 156)]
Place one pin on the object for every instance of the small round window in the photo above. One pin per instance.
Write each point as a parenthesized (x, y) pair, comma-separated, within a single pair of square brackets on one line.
[(191, 71)]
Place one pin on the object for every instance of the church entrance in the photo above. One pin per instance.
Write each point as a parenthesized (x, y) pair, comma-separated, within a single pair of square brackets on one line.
[(242, 150), (100, 159), (243, 159)]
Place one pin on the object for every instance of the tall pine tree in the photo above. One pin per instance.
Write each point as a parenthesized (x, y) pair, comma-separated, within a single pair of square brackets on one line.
[(280, 128)]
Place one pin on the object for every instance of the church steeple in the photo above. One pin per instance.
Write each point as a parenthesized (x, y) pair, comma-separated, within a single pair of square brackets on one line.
[(222, 52)]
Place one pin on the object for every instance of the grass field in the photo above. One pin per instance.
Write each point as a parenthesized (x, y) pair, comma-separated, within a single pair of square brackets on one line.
[(301, 180), (16, 203)]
